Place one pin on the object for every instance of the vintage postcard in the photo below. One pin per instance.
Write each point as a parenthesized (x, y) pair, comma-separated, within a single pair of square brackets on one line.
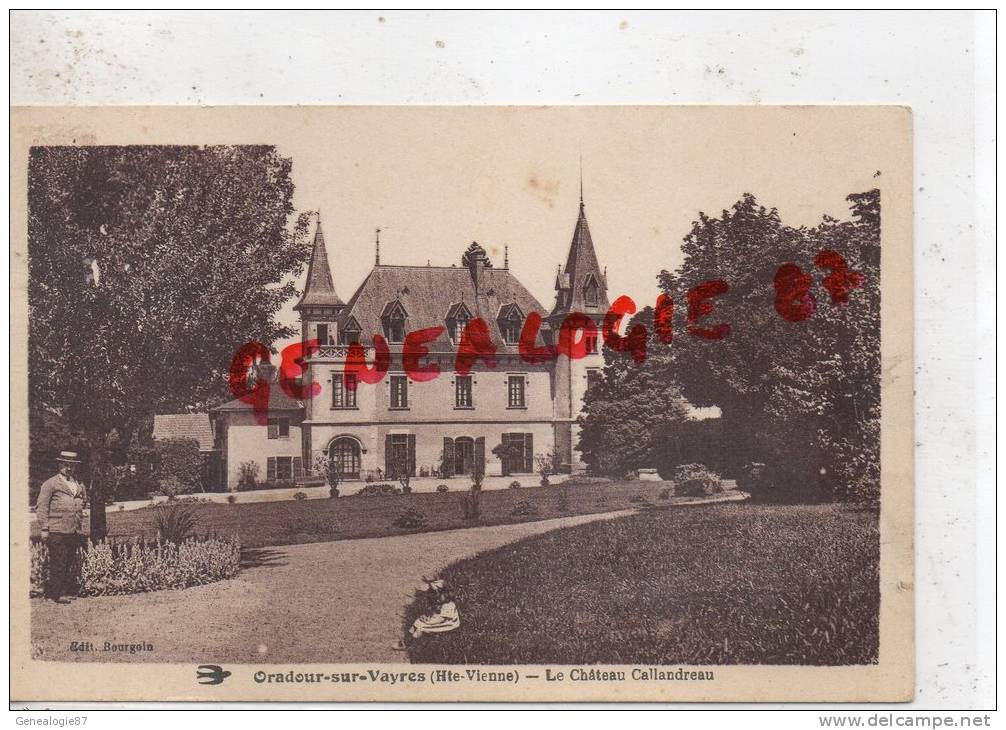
[(461, 403)]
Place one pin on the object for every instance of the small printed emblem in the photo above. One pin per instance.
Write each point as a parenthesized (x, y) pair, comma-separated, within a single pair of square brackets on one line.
[(211, 674)]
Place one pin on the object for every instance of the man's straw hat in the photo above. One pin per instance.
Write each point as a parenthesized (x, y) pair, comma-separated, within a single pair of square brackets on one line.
[(69, 457)]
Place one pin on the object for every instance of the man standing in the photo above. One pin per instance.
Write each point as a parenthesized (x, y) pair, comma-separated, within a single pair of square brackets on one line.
[(60, 512)]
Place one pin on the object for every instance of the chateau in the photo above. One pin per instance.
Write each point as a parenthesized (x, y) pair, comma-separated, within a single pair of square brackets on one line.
[(439, 427)]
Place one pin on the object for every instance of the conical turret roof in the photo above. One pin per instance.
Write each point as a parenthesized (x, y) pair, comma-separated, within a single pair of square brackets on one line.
[(319, 291), (582, 272)]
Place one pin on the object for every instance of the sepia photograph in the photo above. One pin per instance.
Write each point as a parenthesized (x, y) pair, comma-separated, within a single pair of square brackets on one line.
[(369, 402)]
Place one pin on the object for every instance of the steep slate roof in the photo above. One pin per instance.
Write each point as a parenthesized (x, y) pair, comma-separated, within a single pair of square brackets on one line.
[(427, 293), (194, 426), (278, 401), (319, 289), (581, 264)]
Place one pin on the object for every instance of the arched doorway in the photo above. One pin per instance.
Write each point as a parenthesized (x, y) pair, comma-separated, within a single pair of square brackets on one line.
[(345, 453)]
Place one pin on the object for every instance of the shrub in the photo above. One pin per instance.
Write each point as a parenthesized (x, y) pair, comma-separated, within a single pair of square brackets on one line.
[(471, 501), (108, 569), (172, 487), (410, 519), (175, 523), (39, 552), (135, 486), (377, 490), (514, 484), (546, 465), (300, 495), (327, 467), (193, 500), (179, 466), (247, 476), (232, 498), (524, 508), (443, 488), (665, 493), (278, 484), (696, 480), (333, 492)]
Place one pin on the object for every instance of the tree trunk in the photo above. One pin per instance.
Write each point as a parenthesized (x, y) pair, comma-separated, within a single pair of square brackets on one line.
[(96, 490)]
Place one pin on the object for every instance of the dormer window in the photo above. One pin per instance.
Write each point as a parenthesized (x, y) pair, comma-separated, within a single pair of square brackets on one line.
[(457, 319), (460, 323), (511, 321), (591, 292), (393, 318), (350, 333)]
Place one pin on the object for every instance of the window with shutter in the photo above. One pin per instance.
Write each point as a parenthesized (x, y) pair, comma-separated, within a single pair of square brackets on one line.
[(270, 469), (447, 459), (529, 452), (298, 467), (479, 463), (273, 428), (411, 459)]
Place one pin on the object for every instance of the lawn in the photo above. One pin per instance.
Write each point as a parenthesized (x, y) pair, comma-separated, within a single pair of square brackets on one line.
[(321, 520), (715, 584)]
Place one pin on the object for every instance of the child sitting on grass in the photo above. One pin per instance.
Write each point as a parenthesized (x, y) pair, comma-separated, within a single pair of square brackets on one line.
[(441, 617)]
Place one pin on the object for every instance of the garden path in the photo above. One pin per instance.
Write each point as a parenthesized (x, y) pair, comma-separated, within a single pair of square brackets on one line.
[(324, 602)]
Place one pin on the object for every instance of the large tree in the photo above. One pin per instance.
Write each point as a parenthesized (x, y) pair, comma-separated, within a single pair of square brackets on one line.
[(630, 414), (148, 268), (800, 393)]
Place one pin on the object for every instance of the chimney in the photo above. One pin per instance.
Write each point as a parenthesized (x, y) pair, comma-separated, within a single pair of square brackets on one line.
[(263, 371), (476, 260)]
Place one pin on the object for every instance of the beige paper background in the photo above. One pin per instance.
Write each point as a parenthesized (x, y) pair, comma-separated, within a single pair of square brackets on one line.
[(444, 176)]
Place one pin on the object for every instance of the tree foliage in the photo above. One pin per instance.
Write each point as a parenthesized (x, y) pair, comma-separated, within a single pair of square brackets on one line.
[(801, 396), (627, 414), (179, 466), (148, 268)]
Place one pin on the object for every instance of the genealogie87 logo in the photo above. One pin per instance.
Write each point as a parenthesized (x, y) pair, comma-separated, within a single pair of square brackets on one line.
[(794, 302)]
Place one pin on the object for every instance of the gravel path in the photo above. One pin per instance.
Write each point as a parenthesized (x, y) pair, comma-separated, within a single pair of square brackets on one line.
[(322, 602)]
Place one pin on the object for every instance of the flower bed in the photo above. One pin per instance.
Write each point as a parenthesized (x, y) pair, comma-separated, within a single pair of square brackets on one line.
[(136, 567)]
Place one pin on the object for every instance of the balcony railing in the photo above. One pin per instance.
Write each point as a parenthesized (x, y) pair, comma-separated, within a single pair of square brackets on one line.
[(335, 351)]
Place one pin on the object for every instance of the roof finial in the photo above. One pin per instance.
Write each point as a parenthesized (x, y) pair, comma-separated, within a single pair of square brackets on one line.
[(581, 179), (506, 256), (377, 248)]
